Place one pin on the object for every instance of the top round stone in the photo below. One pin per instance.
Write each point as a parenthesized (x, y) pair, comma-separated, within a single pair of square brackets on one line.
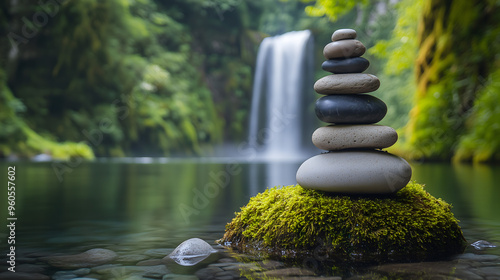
[(343, 34)]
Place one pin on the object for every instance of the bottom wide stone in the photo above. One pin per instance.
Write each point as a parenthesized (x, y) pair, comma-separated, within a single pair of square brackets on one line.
[(293, 223), (355, 172)]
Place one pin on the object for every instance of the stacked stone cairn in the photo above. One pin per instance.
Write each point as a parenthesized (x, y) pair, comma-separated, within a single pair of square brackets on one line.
[(355, 162)]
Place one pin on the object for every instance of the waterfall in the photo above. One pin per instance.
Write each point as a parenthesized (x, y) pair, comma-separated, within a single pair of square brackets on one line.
[(282, 116)]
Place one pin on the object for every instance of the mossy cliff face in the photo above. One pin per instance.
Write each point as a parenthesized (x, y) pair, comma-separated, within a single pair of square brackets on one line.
[(295, 223)]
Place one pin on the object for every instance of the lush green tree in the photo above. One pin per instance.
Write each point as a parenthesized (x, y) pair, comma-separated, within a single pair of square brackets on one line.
[(127, 77)]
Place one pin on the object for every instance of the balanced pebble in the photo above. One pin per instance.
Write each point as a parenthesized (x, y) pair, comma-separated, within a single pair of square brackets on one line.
[(346, 65), (350, 109), (347, 83), (342, 34), (343, 49), (355, 172), (338, 137)]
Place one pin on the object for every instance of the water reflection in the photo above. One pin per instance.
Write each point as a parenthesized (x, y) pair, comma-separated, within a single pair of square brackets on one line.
[(167, 201)]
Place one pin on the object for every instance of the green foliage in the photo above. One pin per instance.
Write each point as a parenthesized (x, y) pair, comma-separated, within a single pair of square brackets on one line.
[(16, 138), (332, 9), (120, 75), (481, 142), (400, 50), (287, 222), (458, 43)]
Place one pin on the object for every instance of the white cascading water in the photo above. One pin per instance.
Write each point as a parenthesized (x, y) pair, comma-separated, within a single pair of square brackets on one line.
[(282, 115)]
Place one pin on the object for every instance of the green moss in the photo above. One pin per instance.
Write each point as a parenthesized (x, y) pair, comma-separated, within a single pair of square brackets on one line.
[(296, 223)]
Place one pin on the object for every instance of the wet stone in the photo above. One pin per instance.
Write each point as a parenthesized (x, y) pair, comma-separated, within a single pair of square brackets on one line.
[(90, 258), (31, 268), (291, 271), (22, 276), (350, 109), (158, 253), (131, 258), (153, 275), (64, 275), (478, 257), (345, 65), (123, 271), (231, 274), (208, 272), (179, 277), (428, 270), (150, 262)]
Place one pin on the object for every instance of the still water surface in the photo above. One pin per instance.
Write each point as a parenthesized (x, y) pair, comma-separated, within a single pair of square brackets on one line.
[(143, 204)]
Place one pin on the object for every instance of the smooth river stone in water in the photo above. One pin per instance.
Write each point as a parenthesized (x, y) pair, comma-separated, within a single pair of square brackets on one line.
[(342, 34), (90, 258), (345, 65), (363, 136), (344, 49), (350, 109), (347, 83), (355, 172)]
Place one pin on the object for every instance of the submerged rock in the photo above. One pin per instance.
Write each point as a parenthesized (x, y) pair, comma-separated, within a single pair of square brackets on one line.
[(90, 258), (191, 252), (295, 223), (483, 244)]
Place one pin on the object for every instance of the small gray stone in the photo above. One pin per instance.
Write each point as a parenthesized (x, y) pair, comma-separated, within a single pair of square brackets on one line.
[(90, 258), (179, 277), (491, 271), (191, 252), (477, 257), (342, 34), (81, 271), (22, 276), (158, 270), (344, 49), (64, 275), (338, 137), (131, 258), (208, 272), (30, 268), (150, 262), (290, 271), (347, 83), (158, 253)]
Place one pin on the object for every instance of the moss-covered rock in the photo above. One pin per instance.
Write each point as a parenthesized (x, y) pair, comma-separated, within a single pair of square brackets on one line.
[(295, 223)]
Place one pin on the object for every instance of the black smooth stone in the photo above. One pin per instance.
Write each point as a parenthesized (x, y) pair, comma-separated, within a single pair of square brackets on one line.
[(350, 109), (346, 65)]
